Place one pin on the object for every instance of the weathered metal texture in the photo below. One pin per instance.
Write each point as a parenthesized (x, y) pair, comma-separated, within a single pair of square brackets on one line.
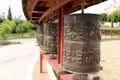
[(40, 35), (82, 35), (50, 37), (86, 77)]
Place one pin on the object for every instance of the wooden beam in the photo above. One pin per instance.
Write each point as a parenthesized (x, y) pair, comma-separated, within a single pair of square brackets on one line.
[(74, 6), (51, 17), (31, 5), (37, 11), (49, 0), (55, 7), (67, 8), (35, 18)]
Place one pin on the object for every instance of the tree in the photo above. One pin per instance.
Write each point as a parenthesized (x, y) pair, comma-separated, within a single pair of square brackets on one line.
[(9, 16), (1, 19), (11, 24), (104, 16), (24, 27), (4, 31), (114, 17)]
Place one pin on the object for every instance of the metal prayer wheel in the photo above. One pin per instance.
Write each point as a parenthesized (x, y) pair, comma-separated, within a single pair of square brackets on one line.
[(40, 35), (82, 35), (50, 37)]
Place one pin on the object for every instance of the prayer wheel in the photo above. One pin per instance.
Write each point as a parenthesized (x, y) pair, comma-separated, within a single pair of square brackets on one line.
[(50, 38), (40, 35), (82, 35)]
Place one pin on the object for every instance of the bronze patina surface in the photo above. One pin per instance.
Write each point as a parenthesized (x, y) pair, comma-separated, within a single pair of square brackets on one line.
[(50, 37), (82, 35), (39, 35)]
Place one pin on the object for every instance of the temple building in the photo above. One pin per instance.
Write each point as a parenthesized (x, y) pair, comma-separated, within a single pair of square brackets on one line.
[(114, 5)]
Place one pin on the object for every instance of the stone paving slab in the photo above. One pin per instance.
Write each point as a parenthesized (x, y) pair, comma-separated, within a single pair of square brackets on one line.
[(36, 72)]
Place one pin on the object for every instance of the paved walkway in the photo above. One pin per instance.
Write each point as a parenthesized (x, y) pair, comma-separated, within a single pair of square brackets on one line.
[(36, 72), (21, 61), (17, 61)]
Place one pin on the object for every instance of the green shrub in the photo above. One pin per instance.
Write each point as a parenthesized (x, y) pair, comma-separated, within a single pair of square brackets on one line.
[(21, 29), (104, 16), (10, 24), (5, 42), (1, 19), (6, 28), (24, 27)]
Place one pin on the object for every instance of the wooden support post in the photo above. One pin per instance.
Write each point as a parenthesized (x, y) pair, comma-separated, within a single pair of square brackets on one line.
[(41, 63), (59, 77), (60, 35)]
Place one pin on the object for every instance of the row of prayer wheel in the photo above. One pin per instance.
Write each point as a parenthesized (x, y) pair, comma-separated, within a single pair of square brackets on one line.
[(47, 37), (82, 35)]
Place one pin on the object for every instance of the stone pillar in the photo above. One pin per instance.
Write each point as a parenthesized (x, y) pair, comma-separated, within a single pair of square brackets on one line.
[(50, 37), (82, 35), (40, 35)]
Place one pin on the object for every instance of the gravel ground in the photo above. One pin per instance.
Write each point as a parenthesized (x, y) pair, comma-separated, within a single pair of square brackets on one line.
[(110, 60)]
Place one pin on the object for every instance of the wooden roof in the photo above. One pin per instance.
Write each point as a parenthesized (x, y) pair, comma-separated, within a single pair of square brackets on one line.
[(39, 11)]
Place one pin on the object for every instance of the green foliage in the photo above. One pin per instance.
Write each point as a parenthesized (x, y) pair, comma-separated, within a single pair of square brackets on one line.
[(17, 25), (1, 19), (24, 27), (11, 24), (21, 28), (109, 18), (5, 28), (9, 16), (104, 16), (114, 16), (31, 34), (112, 24)]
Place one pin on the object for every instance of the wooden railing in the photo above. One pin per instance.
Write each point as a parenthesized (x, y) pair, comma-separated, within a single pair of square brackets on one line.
[(110, 33)]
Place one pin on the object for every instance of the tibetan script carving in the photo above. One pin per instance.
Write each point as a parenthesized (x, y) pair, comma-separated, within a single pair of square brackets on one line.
[(50, 37), (82, 43)]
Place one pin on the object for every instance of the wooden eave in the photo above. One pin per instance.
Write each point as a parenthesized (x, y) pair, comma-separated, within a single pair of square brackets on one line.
[(39, 11)]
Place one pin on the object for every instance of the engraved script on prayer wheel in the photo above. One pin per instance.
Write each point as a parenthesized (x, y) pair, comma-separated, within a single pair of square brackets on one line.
[(40, 35), (82, 35), (50, 37)]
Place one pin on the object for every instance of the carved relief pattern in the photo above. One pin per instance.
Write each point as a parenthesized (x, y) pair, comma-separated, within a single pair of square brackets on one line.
[(88, 54), (50, 38), (82, 45), (39, 35)]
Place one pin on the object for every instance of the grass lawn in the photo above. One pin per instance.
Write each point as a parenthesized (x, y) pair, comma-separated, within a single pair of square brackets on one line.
[(17, 36), (22, 35), (5, 42)]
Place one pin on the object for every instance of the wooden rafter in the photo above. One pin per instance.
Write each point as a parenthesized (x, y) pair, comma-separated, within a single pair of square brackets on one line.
[(47, 10)]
